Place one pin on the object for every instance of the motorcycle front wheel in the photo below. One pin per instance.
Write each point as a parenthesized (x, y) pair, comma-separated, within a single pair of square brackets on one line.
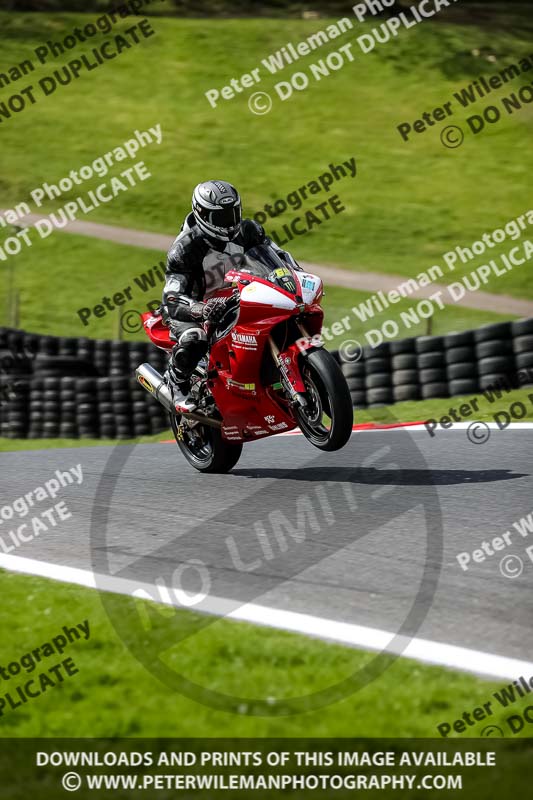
[(204, 448), (328, 418)]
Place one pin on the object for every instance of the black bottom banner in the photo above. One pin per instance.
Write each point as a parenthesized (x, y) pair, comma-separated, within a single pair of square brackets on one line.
[(477, 769)]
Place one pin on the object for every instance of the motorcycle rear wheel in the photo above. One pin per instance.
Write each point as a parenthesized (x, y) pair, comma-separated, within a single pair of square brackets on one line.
[(328, 419), (204, 448)]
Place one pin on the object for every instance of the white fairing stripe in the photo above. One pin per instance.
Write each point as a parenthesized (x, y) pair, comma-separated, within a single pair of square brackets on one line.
[(257, 292)]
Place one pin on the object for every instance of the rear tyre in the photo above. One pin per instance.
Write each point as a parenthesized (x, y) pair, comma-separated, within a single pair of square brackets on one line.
[(204, 448), (327, 421)]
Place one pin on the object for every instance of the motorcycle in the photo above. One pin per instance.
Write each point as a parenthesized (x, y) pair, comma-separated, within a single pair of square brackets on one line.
[(266, 371)]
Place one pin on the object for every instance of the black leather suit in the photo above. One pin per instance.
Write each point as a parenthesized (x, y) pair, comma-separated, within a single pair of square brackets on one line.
[(196, 266)]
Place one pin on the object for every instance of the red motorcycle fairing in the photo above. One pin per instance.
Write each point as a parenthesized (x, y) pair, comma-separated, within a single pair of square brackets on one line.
[(249, 409), (157, 331)]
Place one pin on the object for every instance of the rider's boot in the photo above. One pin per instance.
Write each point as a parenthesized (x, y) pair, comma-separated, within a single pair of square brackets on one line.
[(180, 387)]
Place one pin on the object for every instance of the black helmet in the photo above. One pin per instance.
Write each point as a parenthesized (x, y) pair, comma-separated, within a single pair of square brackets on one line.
[(217, 209)]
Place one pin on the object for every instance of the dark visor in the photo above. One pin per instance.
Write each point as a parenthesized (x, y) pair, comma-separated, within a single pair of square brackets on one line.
[(224, 217)]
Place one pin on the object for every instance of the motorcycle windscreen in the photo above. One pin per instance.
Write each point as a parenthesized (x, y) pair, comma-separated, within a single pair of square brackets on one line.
[(264, 262)]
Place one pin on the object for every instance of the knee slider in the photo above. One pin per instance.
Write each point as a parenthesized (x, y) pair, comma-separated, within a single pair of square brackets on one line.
[(192, 336)]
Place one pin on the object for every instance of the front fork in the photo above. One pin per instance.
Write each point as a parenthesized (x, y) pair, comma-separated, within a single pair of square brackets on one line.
[(289, 367)]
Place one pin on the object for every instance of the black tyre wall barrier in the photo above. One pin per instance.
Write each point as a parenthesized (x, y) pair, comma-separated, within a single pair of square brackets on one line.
[(428, 367), (61, 387)]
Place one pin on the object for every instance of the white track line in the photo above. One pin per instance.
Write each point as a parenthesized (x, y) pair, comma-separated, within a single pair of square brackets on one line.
[(457, 426), (463, 426), (445, 655)]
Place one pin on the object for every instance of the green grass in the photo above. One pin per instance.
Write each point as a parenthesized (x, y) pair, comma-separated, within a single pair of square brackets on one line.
[(76, 272), (338, 304), (52, 444), (410, 203), (113, 695), (422, 410)]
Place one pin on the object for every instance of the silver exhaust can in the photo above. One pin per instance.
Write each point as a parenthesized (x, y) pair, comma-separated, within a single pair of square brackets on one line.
[(154, 383)]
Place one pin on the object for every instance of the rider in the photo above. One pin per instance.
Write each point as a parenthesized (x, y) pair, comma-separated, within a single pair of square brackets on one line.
[(196, 264)]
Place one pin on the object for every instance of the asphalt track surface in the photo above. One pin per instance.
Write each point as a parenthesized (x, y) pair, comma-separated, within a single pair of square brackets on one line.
[(366, 527)]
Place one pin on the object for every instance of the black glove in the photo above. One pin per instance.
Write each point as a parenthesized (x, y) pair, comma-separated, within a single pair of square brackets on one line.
[(214, 309)]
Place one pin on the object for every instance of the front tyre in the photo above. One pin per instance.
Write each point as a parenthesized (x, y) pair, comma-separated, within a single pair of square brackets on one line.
[(204, 448), (328, 419)]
